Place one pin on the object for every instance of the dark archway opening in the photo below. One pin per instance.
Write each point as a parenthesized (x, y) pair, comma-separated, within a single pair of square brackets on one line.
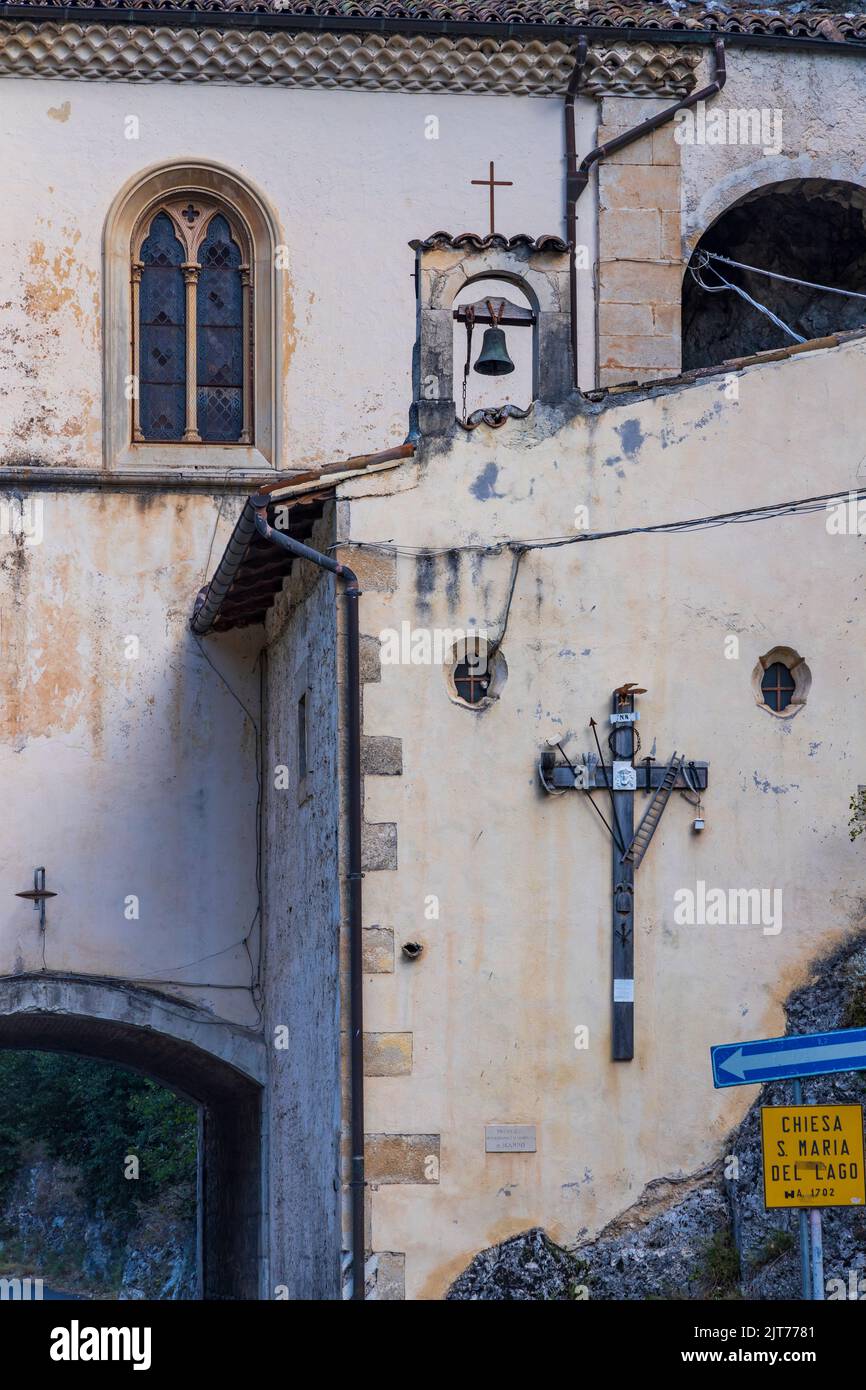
[(810, 230), (230, 1101)]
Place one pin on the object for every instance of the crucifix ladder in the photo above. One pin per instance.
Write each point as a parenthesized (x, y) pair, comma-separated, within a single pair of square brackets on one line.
[(645, 831)]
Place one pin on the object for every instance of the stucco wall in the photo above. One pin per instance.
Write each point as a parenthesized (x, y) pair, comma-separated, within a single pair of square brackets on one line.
[(351, 179), (302, 990), (520, 954), (129, 768)]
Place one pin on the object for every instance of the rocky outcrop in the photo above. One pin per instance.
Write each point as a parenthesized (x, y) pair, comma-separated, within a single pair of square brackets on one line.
[(49, 1229), (527, 1267)]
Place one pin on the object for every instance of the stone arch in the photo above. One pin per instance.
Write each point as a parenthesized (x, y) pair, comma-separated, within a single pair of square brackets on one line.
[(759, 177), (218, 1065), (206, 179)]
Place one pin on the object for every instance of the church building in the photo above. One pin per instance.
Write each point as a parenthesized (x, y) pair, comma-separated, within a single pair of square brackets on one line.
[(432, 542)]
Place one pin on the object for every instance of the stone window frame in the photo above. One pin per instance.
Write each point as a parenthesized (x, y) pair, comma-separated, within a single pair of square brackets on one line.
[(140, 200), (496, 663), (796, 664)]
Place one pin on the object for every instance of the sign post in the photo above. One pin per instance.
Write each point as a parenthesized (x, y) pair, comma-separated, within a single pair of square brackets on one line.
[(805, 1272), (813, 1155)]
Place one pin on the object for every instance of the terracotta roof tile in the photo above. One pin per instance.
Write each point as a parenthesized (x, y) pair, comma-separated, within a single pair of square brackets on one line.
[(472, 241), (828, 23)]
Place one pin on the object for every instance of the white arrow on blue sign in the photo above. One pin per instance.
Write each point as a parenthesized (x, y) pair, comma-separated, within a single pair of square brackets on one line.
[(780, 1059)]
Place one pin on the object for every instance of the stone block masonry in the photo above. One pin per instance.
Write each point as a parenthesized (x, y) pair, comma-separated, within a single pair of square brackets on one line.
[(639, 255)]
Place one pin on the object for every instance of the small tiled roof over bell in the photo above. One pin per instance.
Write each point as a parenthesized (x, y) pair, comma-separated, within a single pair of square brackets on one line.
[(473, 241), (836, 22)]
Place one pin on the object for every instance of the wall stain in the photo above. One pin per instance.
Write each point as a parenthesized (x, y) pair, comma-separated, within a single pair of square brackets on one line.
[(484, 487), (631, 438)]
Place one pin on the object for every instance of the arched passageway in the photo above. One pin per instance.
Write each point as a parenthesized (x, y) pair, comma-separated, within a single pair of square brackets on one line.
[(219, 1066), (811, 229)]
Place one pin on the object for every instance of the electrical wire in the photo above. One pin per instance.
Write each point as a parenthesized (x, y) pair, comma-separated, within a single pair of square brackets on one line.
[(770, 511), (788, 279), (518, 552), (703, 264)]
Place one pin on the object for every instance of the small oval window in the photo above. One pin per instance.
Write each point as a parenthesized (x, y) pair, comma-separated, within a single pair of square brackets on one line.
[(476, 673), (777, 686)]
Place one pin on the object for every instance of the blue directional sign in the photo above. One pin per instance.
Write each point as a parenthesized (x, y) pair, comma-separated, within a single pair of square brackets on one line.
[(780, 1059)]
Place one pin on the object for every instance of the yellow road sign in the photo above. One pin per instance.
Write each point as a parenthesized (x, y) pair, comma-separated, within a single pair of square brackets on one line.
[(813, 1156)]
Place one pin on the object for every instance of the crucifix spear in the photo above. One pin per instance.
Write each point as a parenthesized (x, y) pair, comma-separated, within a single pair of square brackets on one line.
[(616, 837)]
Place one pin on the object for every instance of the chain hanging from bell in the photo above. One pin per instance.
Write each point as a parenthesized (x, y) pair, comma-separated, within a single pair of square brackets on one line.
[(493, 359)]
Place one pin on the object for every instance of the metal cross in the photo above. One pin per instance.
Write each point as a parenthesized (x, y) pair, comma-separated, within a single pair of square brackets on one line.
[(38, 895), (492, 183), (620, 779)]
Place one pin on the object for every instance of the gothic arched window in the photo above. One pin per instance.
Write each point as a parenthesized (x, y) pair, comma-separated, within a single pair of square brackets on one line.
[(192, 324)]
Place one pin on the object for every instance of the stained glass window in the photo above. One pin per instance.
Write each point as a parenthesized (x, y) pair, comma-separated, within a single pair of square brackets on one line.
[(162, 330), (220, 329), (194, 298)]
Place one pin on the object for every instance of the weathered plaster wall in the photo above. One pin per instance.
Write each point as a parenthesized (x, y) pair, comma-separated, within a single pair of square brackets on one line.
[(520, 953), (128, 766), (302, 990), (351, 178)]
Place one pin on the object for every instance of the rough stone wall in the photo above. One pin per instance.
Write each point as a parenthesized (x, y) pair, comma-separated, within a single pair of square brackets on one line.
[(822, 127), (303, 913)]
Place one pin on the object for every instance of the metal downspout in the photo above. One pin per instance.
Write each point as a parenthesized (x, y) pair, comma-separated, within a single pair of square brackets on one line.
[(572, 194), (661, 118), (352, 593)]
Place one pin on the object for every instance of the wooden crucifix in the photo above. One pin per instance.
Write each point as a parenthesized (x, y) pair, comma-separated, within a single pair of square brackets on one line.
[(621, 779), (493, 183)]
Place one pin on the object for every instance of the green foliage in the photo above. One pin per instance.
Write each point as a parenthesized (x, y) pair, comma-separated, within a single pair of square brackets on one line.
[(778, 1243), (93, 1115), (857, 823), (720, 1267)]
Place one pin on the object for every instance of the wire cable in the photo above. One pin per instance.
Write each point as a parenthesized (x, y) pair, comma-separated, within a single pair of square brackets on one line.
[(703, 264), (770, 511), (788, 279)]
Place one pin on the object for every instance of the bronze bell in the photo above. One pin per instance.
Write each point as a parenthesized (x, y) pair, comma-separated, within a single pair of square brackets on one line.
[(493, 359)]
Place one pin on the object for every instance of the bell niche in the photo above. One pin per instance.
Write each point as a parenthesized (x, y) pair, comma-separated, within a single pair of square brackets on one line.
[(494, 351), (493, 333)]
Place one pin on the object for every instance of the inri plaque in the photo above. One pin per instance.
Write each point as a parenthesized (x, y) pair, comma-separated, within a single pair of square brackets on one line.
[(509, 1139)]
